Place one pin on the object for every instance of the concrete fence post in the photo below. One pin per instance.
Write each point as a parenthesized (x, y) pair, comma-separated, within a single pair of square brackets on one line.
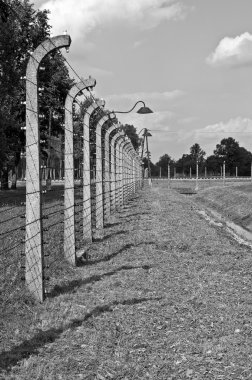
[(69, 216), (108, 168), (120, 174), (142, 175), (125, 170), (128, 168), (117, 173), (87, 210), (123, 174), (169, 175), (134, 173), (197, 176), (99, 214), (114, 168), (224, 172), (140, 172), (34, 256), (130, 152)]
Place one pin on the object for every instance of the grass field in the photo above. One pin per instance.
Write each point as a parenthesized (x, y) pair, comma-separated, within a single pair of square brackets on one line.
[(234, 202), (164, 295)]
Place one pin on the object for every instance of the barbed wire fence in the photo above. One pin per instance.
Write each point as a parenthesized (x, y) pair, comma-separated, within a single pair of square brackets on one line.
[(52, 224)]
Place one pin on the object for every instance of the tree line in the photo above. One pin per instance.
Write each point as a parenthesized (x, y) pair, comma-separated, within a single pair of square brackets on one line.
[(228, 151)]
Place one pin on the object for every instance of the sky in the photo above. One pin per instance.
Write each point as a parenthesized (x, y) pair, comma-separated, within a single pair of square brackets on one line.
[(190, 61)]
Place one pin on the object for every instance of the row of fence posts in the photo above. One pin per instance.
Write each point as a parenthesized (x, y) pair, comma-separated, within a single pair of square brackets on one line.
[(118, 173), (222, 175)]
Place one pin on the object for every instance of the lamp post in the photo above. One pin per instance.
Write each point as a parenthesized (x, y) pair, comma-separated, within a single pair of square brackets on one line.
[(146, 134), (143, 111)]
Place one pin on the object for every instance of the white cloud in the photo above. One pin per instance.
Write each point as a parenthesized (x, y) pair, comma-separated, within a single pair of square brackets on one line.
[(235, 125), (239, 128), (80, 18), (136, 44), (188, 120), (235, 51)]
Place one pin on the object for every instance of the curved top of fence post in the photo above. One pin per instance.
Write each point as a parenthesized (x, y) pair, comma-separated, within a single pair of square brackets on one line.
[(117, 136), (128, 148), (120, 142), (78, 87), (74, 91), (43, 49), (110, 129), (93, 106), (127, 142), (100, 123)]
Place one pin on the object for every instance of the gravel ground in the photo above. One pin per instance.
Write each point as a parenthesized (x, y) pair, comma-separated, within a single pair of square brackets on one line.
[(163, 296)]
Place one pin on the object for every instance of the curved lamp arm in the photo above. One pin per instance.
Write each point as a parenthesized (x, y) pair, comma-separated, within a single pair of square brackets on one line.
[(142, 110)]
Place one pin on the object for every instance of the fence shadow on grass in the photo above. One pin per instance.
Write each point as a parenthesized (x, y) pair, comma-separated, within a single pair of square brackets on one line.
[(109, 225), (83, 261), (10, 358), (106, 237), (131, 215), (73, 285)]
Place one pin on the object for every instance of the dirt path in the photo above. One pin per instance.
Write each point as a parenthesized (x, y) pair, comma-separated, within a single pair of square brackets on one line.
[(163, 296)]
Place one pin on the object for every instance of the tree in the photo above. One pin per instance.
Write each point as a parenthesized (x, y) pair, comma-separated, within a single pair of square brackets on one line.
[(21, 31), (163, 162), (154, 169), (131, 132), (244, 161), (213, 164), (188, 161), (197, 154), (228, 151), (184, 164)]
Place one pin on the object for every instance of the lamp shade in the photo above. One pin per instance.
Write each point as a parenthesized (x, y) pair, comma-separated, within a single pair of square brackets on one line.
[(144, 110)]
